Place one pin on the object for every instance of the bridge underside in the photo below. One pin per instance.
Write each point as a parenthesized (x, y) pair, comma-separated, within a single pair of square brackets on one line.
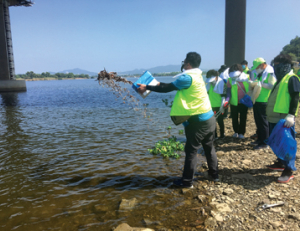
[(7, 68), (20, 3)]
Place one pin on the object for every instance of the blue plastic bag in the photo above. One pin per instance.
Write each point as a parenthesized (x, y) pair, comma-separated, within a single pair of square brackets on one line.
[(283, 143), (246, 100)]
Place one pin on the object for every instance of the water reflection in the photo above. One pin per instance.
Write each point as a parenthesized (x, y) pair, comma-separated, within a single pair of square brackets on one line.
[(9, 99), (11, 117), (12, 137)]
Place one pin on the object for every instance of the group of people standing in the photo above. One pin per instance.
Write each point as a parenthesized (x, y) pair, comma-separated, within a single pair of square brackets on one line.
[(196, 101), (278, 99), (238, 81)]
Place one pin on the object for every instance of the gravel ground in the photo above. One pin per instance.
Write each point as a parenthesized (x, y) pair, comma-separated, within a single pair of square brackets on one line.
[(245, 184)]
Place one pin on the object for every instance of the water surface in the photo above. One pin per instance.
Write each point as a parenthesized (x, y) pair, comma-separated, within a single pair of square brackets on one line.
[(70, 152)]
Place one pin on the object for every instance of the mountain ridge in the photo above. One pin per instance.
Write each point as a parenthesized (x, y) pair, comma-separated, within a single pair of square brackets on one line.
[(153, 70)]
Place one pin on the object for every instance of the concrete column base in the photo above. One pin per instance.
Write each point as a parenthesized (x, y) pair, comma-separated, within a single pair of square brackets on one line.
[(12, 85)]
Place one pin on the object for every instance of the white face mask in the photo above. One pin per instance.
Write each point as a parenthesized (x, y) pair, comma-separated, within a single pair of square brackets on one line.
[(259, 70)]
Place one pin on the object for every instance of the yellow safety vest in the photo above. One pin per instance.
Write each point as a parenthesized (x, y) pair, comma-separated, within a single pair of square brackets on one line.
[(283, 99), (191, 101), (234, 92), (246, 70), (214, 98), (264, 93)]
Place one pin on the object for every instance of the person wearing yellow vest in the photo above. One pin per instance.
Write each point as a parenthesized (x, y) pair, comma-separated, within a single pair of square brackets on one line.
[(295, 67), (264, 74), (224, 75), (283, 103), (191, 100), (246, 69), (237, 87), (216, 90)]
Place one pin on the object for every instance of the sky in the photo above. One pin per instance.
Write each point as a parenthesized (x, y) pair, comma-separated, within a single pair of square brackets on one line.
[(122, 35)]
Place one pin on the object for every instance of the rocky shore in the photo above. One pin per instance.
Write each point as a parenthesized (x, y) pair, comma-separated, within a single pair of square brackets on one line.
[(245, 184)]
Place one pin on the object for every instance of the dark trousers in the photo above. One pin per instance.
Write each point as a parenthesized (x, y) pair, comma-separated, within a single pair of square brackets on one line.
[(220, 121), (262, 125), (239, 112), (198, 133), (225, 113)]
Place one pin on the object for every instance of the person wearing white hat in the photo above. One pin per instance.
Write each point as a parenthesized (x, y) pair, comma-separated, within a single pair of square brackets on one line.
[(216, 90), (264, 74), (237, 87)]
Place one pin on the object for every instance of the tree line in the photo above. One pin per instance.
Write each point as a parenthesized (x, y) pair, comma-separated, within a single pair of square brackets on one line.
[(32, 75), (293, 49)]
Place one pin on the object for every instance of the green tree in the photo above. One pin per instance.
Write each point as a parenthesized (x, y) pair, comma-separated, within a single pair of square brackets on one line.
[(30, 74), (70, 76), (60, 75), (293, 49), (45, 74)]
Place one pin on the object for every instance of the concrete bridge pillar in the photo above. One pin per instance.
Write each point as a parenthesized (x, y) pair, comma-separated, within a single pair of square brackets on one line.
[(235, 30), (7, 69)]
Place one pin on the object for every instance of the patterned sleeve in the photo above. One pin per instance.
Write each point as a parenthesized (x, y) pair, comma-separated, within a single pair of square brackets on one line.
[(224, 89)]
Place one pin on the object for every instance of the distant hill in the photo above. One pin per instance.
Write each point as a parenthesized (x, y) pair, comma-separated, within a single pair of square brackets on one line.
[(153, 70), (159, 69), (77, 71)]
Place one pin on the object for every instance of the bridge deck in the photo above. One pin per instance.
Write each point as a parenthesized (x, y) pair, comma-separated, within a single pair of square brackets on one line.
[(20, 2)]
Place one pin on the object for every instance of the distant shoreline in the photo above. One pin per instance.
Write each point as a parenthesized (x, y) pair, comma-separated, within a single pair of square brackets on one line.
[(44, 79)]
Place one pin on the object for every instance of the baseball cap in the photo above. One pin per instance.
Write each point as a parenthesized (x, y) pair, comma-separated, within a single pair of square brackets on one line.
[(257, 62)]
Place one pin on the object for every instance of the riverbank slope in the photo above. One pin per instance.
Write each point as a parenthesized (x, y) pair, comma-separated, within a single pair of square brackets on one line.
[(245, 184)]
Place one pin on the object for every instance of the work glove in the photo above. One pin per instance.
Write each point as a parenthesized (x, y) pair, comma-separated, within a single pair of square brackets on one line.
[(259, 84), (289, 121), (222, 105), (225, 104)]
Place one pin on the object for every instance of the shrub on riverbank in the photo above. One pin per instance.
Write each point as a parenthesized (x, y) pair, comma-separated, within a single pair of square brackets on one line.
[(168, 148)]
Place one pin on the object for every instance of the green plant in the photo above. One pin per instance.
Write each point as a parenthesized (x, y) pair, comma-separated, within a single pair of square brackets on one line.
[(169, 130), (167, 148), (180, 132), (166, 102)]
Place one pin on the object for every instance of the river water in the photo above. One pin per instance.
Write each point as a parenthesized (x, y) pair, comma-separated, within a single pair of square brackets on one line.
[(70, 151)]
